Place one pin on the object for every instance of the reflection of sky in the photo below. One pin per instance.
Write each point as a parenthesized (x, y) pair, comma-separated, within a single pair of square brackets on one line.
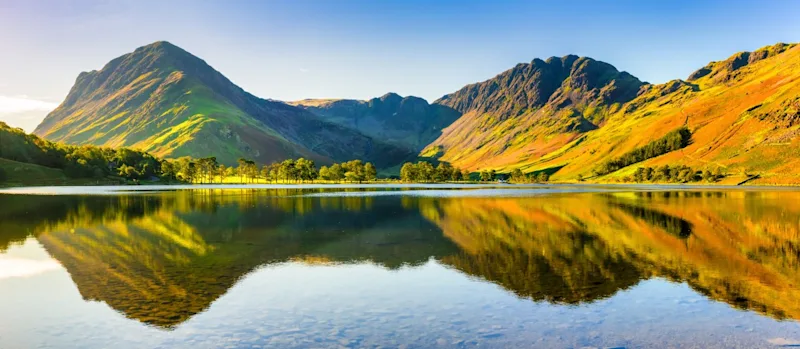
[(19, 267), (27, 259), (298, 305)]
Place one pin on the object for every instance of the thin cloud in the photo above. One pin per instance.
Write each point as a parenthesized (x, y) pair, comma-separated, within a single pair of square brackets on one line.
[(304, 70), (18, 104)]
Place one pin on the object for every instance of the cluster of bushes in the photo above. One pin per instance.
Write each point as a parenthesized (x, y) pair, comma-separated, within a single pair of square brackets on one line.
[(424, 171), (677, 174), (518, 177), (674, 140)]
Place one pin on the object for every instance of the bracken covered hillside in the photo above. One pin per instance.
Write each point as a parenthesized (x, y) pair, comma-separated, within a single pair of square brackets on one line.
[(571, 114)]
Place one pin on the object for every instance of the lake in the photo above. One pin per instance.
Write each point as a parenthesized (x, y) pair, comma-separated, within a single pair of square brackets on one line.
[(413, 266)]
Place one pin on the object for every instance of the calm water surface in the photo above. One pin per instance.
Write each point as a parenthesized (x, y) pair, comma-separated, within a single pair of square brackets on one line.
[(399, 266)]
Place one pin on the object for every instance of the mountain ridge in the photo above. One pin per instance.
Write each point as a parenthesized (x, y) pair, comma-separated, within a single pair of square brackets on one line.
[(562, 115), (741, 112), (162, 99), (410, 122)]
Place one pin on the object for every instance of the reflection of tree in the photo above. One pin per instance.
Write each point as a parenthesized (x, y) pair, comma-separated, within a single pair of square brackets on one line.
[(670, 224)]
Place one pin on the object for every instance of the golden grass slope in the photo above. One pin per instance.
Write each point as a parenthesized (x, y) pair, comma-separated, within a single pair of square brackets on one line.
[(744, 114)]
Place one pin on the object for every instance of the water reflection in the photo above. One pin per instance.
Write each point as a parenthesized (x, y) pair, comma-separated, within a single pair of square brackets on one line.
[(161, 258)]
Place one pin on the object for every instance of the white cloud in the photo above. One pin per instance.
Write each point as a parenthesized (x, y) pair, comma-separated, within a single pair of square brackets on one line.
[(304, 70), (19, 267), (18, 104)]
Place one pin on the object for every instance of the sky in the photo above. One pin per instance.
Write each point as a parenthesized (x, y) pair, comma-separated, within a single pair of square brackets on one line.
[(296, 49)]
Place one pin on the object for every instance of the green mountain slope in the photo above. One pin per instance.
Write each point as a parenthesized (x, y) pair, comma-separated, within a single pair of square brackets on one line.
[(405, 121), (164, 100)]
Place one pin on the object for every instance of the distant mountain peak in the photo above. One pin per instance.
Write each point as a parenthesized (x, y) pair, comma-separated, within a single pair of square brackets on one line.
[(560, 82), (725, 70), (391, 96)]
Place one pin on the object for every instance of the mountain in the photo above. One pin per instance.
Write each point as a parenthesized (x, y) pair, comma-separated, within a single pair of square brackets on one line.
[(531, 109), (568, 115), (409, 122), (166, 101)]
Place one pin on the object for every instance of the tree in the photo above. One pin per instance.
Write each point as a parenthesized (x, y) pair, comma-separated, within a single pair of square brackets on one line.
[(408, 173), (351, 176), (241, 170), (265, 172), (288, 170), (336, 172), (456, 175), (251, 170), (357, 168), (647, 174), (222, 172), (542, 177), (517, 176), (443, 172), (370, 172), (638, 176), (324, 174), (207, 168), (128, 172), (3, 175), (485, 176), (168, 170), (305, 169), (492, 175), (425, 171), (465, 175), (274, 171), (190, 171)]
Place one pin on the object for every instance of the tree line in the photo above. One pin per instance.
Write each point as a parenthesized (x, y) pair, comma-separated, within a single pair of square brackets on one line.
[(674, 140), (423, 171), (83, 161), (675, 174), (518, 177), (208, 170)]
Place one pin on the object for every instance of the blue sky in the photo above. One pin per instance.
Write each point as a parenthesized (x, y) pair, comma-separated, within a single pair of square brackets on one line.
[(290, 50)]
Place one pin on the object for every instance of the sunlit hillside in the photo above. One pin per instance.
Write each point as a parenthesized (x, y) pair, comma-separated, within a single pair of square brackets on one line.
[(163, 100), (742, 112)]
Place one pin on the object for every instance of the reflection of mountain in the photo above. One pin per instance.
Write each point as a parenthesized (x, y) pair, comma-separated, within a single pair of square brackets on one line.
[(166, 266), (162, 258), (740, 248), (534, 253)]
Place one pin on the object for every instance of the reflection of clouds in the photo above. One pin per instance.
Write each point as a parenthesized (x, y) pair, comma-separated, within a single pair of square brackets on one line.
[(11, 267)]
